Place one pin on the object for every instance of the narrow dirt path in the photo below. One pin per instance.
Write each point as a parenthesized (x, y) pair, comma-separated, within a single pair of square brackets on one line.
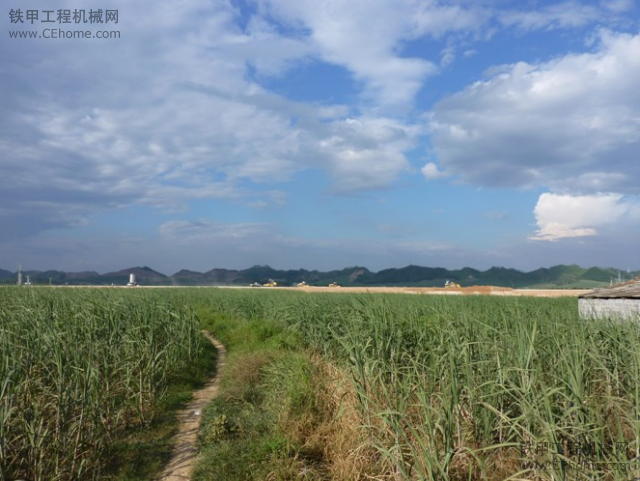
[(185, 442)]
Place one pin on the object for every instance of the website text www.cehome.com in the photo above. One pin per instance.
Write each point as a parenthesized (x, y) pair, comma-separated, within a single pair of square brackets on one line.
[(61, 33)]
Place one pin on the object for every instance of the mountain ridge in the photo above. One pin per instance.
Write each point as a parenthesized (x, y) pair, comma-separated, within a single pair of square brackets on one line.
[(559, 276)]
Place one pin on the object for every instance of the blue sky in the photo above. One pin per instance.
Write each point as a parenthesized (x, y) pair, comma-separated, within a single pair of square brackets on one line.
[(322, 134)]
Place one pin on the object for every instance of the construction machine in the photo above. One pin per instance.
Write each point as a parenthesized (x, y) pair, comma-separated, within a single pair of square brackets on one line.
[(334, 284), (302, 284), (271, 283), (450, 284)]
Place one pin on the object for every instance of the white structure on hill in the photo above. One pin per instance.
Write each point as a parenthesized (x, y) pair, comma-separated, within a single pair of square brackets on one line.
[(621, 301), (132, 280)]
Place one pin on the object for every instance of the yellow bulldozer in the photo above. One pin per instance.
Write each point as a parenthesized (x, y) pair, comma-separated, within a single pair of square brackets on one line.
[(451, 285), (271, 283), (302, 284)]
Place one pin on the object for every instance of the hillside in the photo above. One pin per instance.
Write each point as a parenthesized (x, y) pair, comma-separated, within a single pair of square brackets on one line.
[(561, 276)]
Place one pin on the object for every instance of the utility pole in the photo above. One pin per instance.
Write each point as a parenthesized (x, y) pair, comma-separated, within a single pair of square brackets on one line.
[(19, 274)]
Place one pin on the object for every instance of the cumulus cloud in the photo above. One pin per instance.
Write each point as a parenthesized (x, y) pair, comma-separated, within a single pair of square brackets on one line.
[(364, 152), (571, 124), (432, 172), (91, 139), (341, 33), (176, 111), (563, 216)]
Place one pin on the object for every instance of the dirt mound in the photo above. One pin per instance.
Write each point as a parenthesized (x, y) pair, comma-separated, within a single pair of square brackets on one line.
[(485, 289)]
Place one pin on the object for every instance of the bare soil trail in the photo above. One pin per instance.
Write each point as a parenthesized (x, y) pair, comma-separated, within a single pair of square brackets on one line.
[(185, 442)]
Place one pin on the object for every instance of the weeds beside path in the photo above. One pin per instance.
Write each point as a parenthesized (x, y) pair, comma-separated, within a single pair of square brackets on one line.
[(185, 449)]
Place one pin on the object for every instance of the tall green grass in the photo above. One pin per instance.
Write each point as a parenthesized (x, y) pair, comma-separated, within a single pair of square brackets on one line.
[(445, 387), (476, 387), (77, 368)]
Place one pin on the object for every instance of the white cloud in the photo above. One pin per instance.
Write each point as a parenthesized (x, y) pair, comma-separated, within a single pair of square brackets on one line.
[(174, 112), (365, 153), (266, 49), (169, 114), (560, 15), (366, 38), (563, 216), (437, 19), (447, 56), (431, 171), (571, 124)]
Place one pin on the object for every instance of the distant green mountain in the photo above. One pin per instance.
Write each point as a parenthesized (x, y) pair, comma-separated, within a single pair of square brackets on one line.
[(560, 276), (5, 275), (144, 276)]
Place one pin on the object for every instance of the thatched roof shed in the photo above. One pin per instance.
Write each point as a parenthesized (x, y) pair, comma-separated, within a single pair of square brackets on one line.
[(621, 301)]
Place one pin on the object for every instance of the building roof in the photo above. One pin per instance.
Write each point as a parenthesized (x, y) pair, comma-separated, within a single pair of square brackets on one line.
[(626, 290)]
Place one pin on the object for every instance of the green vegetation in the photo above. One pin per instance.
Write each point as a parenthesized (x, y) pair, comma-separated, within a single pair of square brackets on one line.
[(257, 427), (321, 386), (83, 372), (143, 450), (448, 388)]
